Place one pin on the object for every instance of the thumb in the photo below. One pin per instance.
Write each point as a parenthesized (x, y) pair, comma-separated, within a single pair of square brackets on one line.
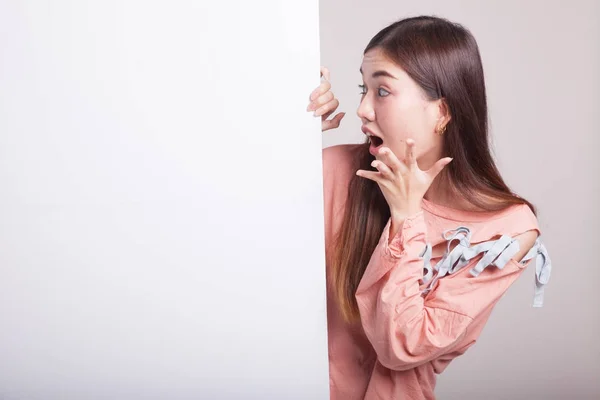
[(335, 120), (332, 123), (339, 117), (439, 166)]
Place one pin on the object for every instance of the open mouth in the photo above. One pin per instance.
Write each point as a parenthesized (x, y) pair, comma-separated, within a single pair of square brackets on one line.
[(376, 141)]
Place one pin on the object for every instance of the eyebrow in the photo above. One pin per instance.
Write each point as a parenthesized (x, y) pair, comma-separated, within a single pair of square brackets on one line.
[(379, 73)]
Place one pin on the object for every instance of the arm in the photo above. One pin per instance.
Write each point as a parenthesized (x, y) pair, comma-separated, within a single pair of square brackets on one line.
[(407, 329)]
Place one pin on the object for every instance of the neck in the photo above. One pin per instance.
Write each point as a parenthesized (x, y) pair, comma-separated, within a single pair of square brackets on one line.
[(439, 193)]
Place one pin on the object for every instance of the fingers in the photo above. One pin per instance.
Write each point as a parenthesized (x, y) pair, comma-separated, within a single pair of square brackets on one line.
[(332, 123), (390, 159), (372, 175), (385, 171), (324, 103), (328, 109), (438, 167), (323, 100), (383, 175), (411, 160), (325, 73), (323, 88)]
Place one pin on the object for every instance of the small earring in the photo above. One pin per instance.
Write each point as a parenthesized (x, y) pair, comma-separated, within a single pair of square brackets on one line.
[(441, 130)]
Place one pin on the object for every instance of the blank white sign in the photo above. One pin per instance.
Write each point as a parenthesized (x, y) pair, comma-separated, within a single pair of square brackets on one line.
[(161, 227)]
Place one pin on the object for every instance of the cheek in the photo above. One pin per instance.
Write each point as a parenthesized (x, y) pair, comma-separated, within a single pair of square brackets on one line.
[(401, 120)]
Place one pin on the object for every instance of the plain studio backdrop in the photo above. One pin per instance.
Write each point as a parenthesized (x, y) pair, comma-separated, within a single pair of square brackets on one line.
[(161, 213), (161, 227), (542, 67)]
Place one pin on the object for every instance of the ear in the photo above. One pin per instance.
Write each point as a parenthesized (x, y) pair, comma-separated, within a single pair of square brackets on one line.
[(443, 112), (438, 113)]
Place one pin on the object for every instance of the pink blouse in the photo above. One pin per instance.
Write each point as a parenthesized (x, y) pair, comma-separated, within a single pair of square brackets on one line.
[(419, 310)]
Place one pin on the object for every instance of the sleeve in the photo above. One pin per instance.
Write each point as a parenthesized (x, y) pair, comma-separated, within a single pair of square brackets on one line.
[(407, 328)]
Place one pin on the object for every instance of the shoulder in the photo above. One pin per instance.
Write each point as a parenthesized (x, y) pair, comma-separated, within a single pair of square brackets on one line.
[(339, 162), (338, 170), (339, 155), (524, 228), (339, 166), (514, 223), (526, 242)]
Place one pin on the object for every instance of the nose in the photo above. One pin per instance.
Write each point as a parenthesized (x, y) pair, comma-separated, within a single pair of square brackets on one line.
[(365, 110)]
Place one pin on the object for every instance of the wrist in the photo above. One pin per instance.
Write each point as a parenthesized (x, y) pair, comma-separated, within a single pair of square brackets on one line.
[(401, 220), (400, 216)]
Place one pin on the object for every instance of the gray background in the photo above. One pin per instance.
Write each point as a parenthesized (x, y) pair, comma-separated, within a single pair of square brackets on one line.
[(542, 66), (161, 234)]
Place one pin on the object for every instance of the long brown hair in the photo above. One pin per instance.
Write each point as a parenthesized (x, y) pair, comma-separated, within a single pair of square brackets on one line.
[(443, 58)]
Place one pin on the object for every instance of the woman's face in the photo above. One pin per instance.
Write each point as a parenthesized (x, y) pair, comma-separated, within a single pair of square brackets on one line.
[(395, 108)]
